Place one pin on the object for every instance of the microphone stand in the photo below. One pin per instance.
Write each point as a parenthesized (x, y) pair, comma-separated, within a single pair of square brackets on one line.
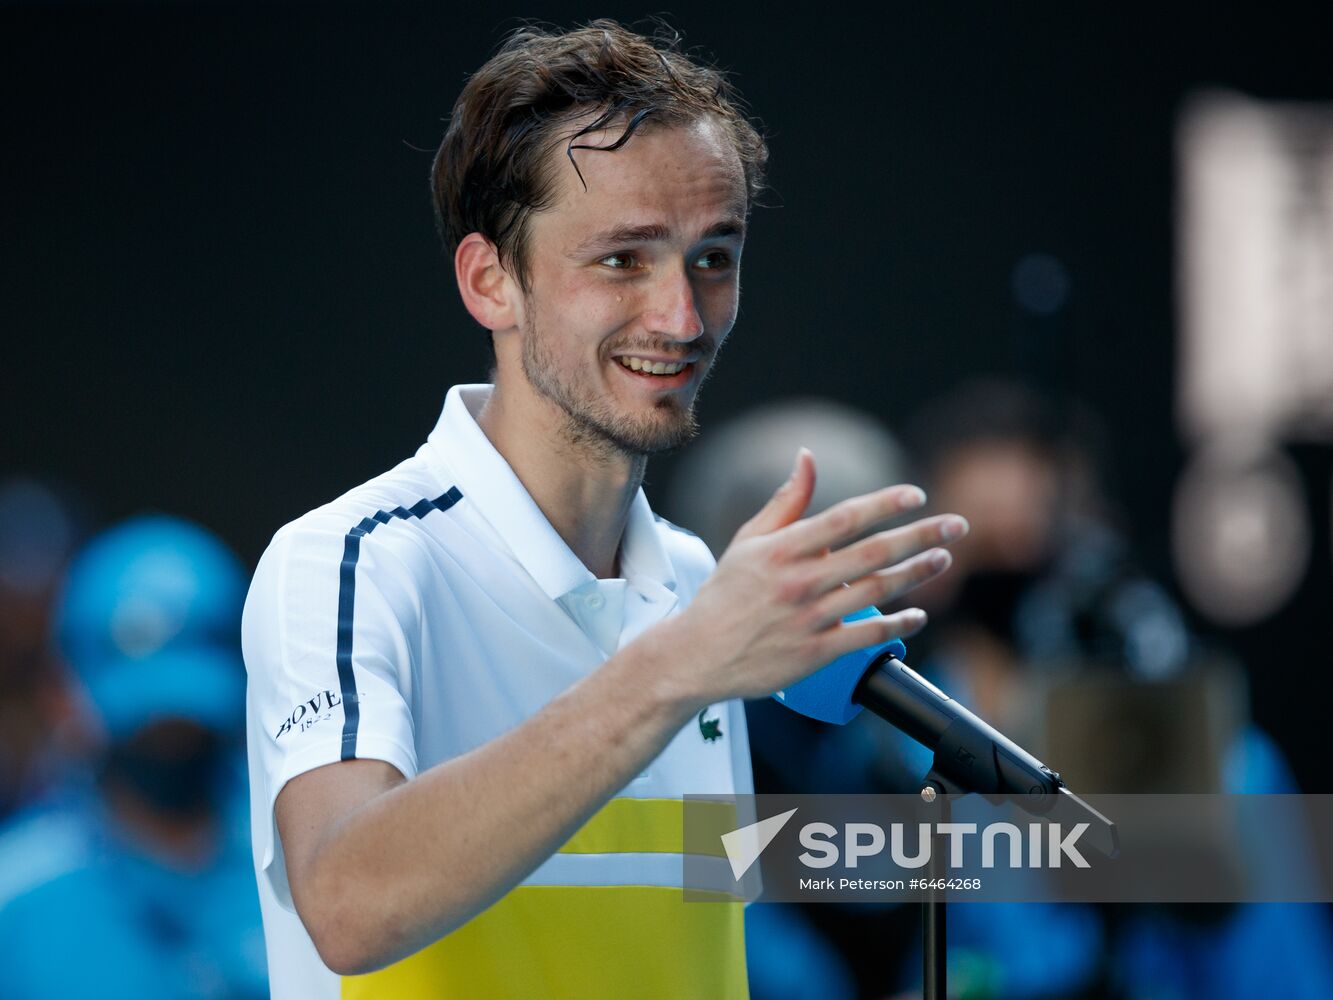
[(970, 756), (934, 925)]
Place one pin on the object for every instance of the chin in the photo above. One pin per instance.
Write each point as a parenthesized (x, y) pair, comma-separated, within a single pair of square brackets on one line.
[(657, 433)]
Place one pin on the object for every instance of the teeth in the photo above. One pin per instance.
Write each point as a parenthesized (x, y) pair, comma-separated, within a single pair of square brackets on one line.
[(653, 367)]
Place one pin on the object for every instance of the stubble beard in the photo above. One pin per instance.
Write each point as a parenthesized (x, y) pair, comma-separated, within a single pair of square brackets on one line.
[(592, 424)]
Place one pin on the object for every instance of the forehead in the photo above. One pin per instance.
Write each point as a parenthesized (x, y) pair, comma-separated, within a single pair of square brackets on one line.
[(684, 176)]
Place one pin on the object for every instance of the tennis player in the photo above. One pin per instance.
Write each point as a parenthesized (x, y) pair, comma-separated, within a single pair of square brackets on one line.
[(480, 683)]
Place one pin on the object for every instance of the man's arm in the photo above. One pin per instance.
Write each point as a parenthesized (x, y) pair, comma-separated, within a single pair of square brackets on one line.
[(380, 867)]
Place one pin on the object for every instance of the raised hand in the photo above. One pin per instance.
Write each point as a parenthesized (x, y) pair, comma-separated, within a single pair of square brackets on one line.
[(772, 611)]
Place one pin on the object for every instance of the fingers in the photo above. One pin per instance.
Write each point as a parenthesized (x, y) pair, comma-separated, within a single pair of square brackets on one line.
[(887, 548), (788, 503), (881, 587), (846, 520), (848, 636)]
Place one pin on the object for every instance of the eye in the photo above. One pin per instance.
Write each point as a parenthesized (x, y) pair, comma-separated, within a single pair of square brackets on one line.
[(714, 260), (618, 261)]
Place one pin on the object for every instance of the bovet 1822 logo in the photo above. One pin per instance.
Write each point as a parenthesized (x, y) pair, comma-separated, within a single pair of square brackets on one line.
[(306, 714)]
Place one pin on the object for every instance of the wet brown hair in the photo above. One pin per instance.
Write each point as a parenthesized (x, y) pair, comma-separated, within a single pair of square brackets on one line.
[(492, 170)]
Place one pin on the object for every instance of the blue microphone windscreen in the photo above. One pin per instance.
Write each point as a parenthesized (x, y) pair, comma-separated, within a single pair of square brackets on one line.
[(826, 694)]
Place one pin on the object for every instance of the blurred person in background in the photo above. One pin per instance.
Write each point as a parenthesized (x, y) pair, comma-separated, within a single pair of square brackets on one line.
[(138, 868), (1046, 594), (38, 730)]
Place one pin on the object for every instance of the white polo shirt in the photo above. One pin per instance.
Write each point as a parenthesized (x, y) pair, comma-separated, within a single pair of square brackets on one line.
[(427, 612)]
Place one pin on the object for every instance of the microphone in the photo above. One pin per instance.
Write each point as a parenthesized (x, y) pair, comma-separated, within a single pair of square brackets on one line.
[(970, 754)]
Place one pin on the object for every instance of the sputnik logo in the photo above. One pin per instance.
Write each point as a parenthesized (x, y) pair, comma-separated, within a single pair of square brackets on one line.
[(744, 846)]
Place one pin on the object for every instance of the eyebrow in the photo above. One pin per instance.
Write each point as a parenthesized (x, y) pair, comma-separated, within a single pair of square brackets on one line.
[(620, 236)]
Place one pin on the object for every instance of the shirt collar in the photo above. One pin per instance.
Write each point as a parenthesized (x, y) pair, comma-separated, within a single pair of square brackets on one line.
[(484, 477), (643, 557)]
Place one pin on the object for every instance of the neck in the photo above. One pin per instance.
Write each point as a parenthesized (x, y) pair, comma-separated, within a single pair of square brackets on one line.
[(583, 485)]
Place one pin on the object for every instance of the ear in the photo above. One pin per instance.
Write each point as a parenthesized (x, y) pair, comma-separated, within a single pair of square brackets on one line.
[(487, 289)]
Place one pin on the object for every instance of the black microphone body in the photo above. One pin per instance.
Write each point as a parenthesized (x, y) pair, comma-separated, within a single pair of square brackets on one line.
[(970, 754)]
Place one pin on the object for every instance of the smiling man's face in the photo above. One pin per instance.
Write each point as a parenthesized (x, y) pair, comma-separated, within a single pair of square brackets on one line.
[(641, 270)]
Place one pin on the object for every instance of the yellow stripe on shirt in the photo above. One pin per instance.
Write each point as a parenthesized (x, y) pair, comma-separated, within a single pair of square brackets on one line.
[(654, 826), (581, 943), (593, 942)]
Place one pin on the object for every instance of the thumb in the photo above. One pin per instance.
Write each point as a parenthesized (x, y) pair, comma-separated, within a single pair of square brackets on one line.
[(788, 503)]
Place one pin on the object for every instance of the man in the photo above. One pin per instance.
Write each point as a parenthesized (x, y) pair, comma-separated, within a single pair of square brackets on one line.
[(481, 682)]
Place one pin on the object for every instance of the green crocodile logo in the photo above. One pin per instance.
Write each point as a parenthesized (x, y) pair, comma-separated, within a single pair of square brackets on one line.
[(710, 728)]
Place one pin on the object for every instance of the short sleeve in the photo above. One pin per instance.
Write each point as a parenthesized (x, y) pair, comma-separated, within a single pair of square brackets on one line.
[(327, 636)]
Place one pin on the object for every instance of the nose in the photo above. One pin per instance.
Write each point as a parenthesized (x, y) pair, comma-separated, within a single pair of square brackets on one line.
[(674, 312)]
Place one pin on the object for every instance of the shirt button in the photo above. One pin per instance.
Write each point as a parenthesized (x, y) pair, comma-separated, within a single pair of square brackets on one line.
[(595, 601)]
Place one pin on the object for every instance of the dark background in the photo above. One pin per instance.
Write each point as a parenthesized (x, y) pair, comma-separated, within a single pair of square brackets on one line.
[(223, 296)]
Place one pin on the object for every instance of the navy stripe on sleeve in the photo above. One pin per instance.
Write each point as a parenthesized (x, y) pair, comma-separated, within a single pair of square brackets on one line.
[(347, 603)]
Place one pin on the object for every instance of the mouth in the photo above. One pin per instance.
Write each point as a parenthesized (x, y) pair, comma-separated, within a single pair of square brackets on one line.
[(656, 373)]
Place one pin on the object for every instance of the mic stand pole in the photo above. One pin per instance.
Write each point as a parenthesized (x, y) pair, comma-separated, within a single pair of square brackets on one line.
[(934, 925)]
